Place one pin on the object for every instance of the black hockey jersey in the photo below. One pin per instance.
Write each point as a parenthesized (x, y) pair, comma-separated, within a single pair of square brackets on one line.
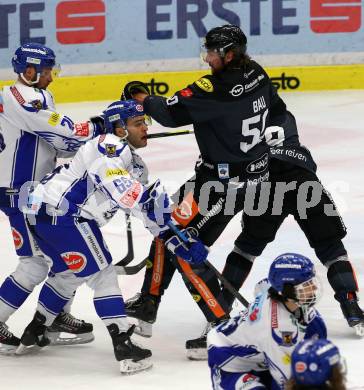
[(229, 111)]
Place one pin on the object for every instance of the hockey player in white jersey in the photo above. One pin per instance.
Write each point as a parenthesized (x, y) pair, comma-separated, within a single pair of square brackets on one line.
[(252, 350), (70, 236), (32, 134)]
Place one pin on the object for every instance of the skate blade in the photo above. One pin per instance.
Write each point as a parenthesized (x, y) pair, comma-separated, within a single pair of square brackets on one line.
[(144, 329), (196, 354), (6, 349), (129, 367), (56, 339), (359, 329), (27, 350)]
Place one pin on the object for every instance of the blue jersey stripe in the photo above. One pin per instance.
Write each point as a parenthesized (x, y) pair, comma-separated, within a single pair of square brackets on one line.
[(25, 154)]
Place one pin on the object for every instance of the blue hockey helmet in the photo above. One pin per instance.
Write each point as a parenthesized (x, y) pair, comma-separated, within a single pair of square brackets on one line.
[(120, 111), (293, 276), (312, 362), (33, 54)]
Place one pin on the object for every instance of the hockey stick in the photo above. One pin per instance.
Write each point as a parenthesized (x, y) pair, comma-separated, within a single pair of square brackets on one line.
[(129, 234), (131, 269), (222, 278), (170, 133)]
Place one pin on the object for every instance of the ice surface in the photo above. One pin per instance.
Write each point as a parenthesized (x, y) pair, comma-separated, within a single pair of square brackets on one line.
[(331, 125)]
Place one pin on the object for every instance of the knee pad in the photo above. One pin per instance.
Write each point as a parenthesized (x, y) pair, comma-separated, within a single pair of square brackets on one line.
[(105, 282), (31, 271)]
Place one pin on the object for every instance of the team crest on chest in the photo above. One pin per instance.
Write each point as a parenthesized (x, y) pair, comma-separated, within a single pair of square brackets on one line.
[(110, 150)]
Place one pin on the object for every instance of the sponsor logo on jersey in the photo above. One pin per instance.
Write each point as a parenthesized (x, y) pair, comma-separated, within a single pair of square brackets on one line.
[(139, 108), (300, 367), (223, 171), (186, 210), (110, 150), (102, 138), (252, 85), (54, 119), (149, 264), (187, 92), (2, 143), (75, 261), (130, 198), (205, 84), (18, 238), (274, 318), (172, 100), (237, 90), (82, 129), (248, 378), (286, 359), (116, 172), (196, 297), (1, 108), (17, 95), (259, 165)]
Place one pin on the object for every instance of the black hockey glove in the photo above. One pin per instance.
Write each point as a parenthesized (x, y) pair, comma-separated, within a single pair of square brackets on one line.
[(134, 87), (99, 124)]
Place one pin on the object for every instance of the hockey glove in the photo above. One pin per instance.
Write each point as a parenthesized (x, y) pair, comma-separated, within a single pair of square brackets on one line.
[(99, 124), (132, 88), (155, 202), (194, 252)]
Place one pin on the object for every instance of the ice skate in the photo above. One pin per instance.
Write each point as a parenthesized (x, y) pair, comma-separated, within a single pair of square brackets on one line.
[(352, 312), (33, 338), (8, 342), (144, 308), (80, 331), (132, 357)]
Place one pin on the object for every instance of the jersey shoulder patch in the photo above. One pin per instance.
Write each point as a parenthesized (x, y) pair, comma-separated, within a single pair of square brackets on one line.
[(111, 146), (205, 84)]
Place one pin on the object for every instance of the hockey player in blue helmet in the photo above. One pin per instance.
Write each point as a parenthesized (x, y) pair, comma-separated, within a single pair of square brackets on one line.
[(282, 314), (317, 364), (33, 135), (64, 225), (35, 64)]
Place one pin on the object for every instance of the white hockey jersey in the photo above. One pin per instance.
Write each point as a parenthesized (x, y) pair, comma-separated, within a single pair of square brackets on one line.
[(31, 133), (106, 168), (261, 338)]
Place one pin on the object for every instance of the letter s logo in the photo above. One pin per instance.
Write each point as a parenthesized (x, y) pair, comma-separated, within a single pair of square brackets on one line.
[(80, 21)]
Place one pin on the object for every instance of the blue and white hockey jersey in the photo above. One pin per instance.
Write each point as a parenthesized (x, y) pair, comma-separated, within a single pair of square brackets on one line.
[(261, 338), (32, 133), (105, 167)]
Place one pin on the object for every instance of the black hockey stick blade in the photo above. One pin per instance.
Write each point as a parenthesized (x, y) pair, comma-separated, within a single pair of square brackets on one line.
[(170, 133), (129, 234), (227, 284), (131, 269)]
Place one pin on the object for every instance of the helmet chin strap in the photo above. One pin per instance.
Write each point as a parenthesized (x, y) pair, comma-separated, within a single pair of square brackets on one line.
[(28, 82)]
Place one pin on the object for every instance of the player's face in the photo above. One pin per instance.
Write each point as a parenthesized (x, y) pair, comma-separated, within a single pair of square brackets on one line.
[(216, 63), (46, 77), (137, 129), (307, 291)]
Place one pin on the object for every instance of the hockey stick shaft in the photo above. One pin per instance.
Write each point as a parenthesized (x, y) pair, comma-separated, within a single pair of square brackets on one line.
[(129, 235), (222, 278), (170, 133)]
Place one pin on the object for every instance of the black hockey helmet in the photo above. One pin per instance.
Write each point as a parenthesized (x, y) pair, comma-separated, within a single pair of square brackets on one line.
[(225, 37)]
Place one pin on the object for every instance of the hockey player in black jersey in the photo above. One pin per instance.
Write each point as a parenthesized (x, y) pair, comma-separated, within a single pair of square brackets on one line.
[(230, 111)]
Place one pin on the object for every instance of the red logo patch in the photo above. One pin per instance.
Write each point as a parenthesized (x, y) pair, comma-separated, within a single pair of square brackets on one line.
[(17, 95), (187, 92), (129, 199), (82, 129), (248, 378), (75, 261), (1, 108), (18, 239), (254, 314), (274, 318), (300, 367)]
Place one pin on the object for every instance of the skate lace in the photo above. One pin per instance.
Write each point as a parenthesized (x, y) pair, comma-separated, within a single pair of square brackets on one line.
[(69, 319), (4, 331)]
